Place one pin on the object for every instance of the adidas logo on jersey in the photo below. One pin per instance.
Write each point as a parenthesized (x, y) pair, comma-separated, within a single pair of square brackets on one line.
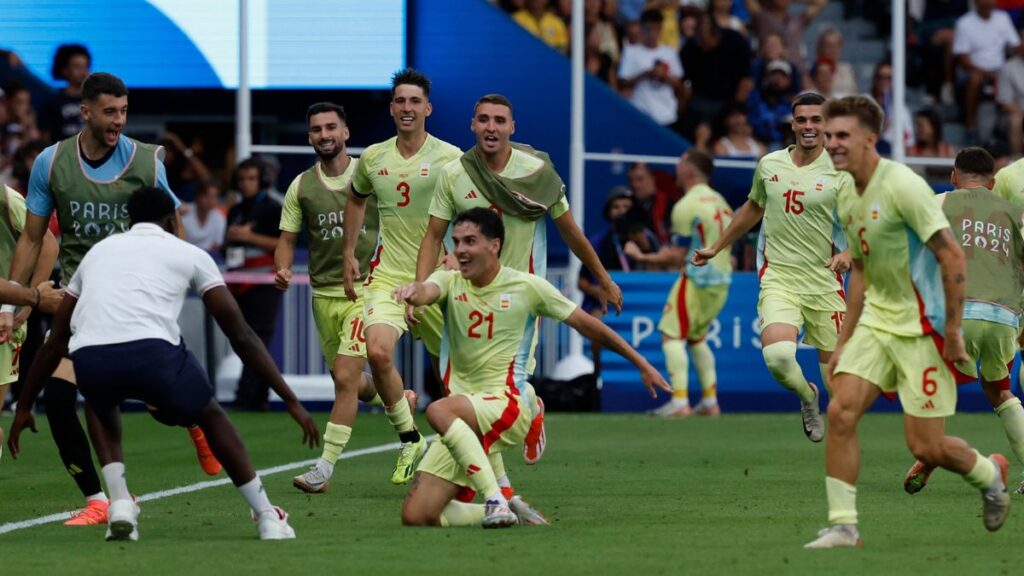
[(462, 297), (774, 178), (354, 348), (383, 172), (471, 195), (929, 405)]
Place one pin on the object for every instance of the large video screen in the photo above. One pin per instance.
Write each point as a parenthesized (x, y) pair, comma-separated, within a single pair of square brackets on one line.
[(195, 43)]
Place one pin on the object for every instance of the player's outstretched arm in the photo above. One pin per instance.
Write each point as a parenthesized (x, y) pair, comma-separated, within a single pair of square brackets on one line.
[(250, 349), (417, 293), (352, 223), (46, 361), (596, 331), (954, 283), (854, 307), (748, 215), (430, 247), (284, 257), (581, 247), (30, 245)]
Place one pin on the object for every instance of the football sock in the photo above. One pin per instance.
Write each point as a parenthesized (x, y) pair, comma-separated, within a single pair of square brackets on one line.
[(97, 496), (498, 466), (61, 398), (781, 360), (983, 473), (678, 365), (335, 438), (704, 363), (1012, 415), (113, 476), (842, 501), (466, 449), (256, 496), (401, 418), (826, 378), (457, 514)]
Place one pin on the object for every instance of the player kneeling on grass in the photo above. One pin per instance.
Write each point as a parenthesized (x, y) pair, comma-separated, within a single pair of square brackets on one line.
[(488, 309), (119, 322)]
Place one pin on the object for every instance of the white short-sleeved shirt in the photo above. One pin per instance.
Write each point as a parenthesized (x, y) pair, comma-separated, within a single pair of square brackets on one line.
[(132, 286), (985, 41), (656, 99)]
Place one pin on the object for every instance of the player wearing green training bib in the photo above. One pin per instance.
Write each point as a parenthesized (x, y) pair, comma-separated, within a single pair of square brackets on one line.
[(801, 254), (989, 230), (489, 312), (902, 330), (401, 174)]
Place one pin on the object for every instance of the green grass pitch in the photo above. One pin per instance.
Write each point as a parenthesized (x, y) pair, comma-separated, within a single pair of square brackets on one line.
[(626, 494)]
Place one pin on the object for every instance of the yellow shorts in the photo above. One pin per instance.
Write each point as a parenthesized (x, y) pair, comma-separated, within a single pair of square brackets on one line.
[(10, 357), (691, 313), (820, 316), (992, 344), (379, 307), (504, 420), (339, 323), (912, 366)]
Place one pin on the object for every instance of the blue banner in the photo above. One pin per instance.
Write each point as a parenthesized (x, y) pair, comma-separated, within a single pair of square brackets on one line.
[(744, 383)]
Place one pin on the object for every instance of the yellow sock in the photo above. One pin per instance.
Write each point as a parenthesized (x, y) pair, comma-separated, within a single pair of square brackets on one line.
[(400, 416), (983, 473), (1012, 415), (842, 501), (335, 438), (678, 365), (825, 378), (456, 514), (466, 449), (704, 363), (780, 358)]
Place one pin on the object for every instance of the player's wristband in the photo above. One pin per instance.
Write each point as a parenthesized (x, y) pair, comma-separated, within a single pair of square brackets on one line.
[(10, 308)]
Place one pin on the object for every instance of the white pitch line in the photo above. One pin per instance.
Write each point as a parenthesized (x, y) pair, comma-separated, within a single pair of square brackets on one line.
[(12, 526)]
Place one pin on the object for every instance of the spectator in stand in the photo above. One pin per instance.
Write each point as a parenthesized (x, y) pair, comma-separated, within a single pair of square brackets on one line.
[(204, 220), (769, 107), (717, 64), (738, 142), (830, 48), (702, 136), (772, 49), (651, 75), (21, 118), (1000, 152), (653, 203), (186, 172), (928, 141), (933, 23), (607, 37), (721, 11), (597, 62), (1010, 95), (511, 6), (881, 91), (981, 40), (17, 172), (774, 17), (62, 115), (538, 19), (823, 78)]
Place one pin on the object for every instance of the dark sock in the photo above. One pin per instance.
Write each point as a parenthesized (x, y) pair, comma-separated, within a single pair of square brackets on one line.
[(61, 397), (410, 436)]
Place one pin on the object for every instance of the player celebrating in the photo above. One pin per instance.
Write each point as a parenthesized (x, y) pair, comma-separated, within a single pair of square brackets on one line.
[(488, 310), (400, 173), (87, 179), (990, 229), (801, 254), (903, 323), (122, 305), (699, 293)]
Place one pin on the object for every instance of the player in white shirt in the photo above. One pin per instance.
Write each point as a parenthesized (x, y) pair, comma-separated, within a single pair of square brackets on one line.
[(119, 322)]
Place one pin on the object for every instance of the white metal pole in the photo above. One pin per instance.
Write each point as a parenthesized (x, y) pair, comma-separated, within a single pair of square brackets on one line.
[(243, 100), (899, 78), (576, 149)]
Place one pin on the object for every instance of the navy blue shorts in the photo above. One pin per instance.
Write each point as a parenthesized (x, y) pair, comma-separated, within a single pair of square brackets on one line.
[(153, 371)]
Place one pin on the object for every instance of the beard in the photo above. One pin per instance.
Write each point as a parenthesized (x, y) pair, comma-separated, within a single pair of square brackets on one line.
[(328, 156)]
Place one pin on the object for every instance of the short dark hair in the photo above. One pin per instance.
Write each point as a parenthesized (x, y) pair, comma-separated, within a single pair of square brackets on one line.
[(976, 161), (486, 220), (63, 56), (934, 120), (248, 164), (322, 107), (413, 77), (102, 83), (149, 204), (498, 99), (651, 16), (808, 98), (864, 108), (701, 161)]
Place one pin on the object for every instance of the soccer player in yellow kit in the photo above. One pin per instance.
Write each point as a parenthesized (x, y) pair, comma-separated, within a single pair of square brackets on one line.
[(1009, 185), (902, 330), (699, 294), (489, 309), (800, 257), (401, 173)]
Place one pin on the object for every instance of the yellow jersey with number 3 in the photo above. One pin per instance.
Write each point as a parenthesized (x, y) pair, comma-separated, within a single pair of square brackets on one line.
[(404, 188), (799, 231), (487, 329)]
